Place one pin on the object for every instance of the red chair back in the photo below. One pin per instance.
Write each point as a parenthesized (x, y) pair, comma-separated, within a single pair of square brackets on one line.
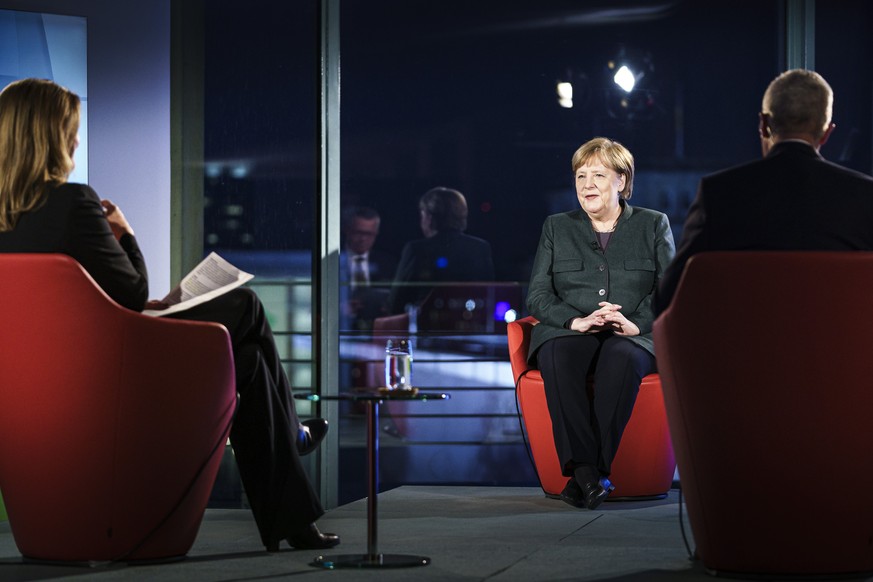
[(518, 337), (112, 423), (768, 380)]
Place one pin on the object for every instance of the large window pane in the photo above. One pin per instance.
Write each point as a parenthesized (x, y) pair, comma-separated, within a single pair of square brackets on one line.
[(260, 67), (259, 148), (839, 25), (464, 95)]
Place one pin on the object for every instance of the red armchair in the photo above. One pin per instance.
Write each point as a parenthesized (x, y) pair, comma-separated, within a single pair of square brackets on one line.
[(644, 464), (112, 423), (765, 360)]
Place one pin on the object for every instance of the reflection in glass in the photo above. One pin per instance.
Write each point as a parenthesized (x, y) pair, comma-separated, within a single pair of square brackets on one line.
[(259, 148), (476, 97)]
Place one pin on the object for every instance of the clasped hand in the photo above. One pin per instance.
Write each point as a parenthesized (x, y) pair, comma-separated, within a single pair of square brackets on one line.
[(119, 225), (608, 318), (116, 218)]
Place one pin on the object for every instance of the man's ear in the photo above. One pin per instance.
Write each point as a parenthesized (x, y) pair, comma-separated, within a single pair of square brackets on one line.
[(764, 125), (824, 138)]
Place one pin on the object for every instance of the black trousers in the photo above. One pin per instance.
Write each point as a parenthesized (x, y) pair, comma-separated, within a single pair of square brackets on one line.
[(588, 426), (264, 430)]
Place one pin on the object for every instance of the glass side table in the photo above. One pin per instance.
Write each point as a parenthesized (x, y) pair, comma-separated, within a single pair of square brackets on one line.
[(373, 558)]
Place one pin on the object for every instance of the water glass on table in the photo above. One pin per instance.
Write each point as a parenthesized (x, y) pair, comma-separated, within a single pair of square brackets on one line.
[(398, 366)]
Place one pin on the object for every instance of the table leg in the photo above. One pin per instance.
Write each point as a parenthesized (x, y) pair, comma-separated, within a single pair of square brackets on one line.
[(372, 559), (373, 478)]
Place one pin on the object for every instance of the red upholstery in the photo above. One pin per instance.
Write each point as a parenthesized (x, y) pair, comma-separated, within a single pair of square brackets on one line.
[(112, 423), (644, 464), (765, 360)]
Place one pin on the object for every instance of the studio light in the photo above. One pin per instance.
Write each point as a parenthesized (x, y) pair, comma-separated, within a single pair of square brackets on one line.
[(630, 86), (565, 94), (625, 79)]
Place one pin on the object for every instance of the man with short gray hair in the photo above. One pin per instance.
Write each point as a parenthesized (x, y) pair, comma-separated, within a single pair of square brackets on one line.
[(792, 199)]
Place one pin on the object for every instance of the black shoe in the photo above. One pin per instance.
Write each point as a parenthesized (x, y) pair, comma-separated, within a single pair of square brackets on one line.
[(596, 493), (308, 538), (310, 433), (573, 495)]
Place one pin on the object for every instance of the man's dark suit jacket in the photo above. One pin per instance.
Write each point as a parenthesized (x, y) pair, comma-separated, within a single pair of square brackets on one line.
[(363, 304), (381, 265), (448, 256), (793, 199), (71, 221)]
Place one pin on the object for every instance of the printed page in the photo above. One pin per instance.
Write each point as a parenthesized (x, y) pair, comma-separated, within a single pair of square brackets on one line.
[(212, 277)]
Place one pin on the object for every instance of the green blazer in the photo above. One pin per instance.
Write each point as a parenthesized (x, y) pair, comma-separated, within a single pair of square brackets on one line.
[(571, 275)]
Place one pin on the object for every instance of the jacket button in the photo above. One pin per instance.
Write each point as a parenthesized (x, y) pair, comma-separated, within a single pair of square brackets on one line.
[(602, 292), (600, 268)]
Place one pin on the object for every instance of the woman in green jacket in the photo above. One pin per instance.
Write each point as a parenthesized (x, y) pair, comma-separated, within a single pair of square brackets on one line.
[(591, 289)]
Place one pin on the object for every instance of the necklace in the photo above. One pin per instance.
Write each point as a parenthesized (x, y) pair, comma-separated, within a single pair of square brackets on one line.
[(612, 228)]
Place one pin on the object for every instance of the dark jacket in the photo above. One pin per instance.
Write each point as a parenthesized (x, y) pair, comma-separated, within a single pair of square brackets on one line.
[(448, 256), (571, 275), (71, 221), (793, 199), (382, 267)]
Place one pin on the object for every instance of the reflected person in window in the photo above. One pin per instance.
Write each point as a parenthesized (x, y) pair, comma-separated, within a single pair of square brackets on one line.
[(445, 254), (365, 272), (40, 212), (591, 288)]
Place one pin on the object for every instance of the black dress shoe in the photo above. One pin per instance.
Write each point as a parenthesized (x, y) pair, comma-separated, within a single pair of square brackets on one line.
[(308, 538), (310, 433), (573, 495), (596, 493)]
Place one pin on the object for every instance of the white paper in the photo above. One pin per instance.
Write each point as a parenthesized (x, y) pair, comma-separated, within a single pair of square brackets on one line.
[(212, 277)]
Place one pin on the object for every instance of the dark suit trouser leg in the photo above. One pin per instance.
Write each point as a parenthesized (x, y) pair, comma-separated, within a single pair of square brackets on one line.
[(264, 429), (565, 363), (621, 366), (587, 433)]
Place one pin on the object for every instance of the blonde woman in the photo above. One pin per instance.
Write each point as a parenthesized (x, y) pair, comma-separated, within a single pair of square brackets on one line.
[(41, 212), (591, 288)]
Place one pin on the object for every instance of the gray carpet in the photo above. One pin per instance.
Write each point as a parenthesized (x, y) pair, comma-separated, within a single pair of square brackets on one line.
[(470, 533)]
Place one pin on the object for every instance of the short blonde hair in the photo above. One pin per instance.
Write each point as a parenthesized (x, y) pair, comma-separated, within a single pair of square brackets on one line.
[(613, 155), (39, 121), (799, 101)]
